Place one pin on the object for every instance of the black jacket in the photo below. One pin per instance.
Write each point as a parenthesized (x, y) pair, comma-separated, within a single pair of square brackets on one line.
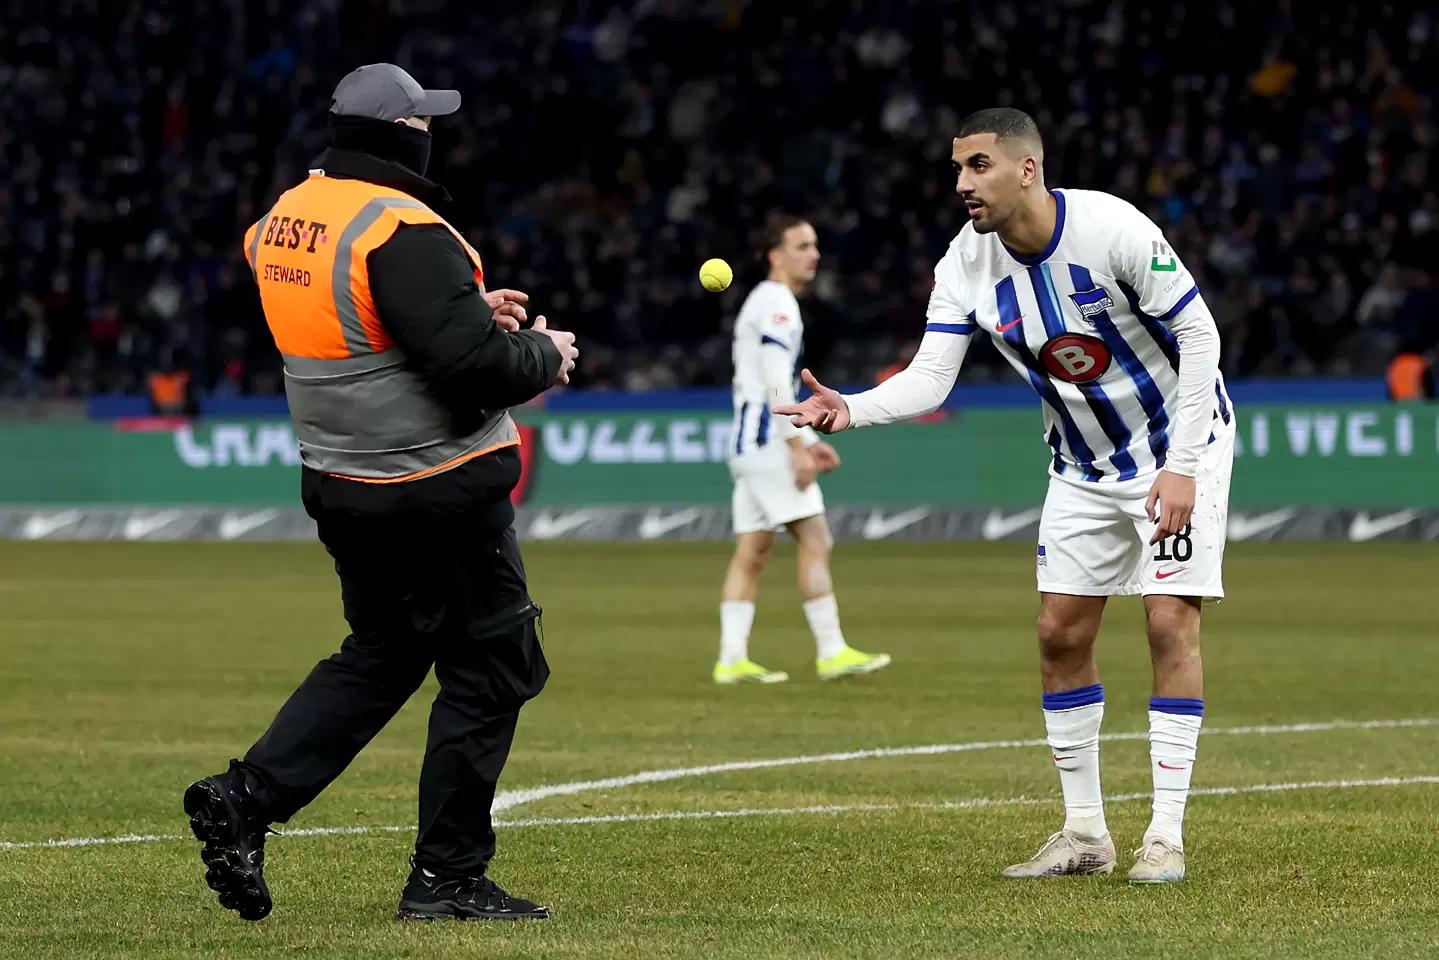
[(428, 302)]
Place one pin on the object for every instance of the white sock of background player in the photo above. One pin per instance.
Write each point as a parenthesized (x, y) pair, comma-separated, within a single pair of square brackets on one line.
[(823, 616), (736, 619)]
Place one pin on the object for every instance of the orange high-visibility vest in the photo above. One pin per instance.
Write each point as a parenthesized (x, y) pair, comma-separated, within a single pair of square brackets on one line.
[(1406, 376), (359, 412), (167, 390)]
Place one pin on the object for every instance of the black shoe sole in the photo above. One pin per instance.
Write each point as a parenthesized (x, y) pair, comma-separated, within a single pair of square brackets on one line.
[(448, 911), (216, 823)]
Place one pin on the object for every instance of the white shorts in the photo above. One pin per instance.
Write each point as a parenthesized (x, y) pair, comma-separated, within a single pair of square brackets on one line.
[(1094, 538), (765, 496)]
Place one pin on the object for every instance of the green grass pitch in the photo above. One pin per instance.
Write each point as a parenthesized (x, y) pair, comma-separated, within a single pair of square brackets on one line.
[(126, 670)]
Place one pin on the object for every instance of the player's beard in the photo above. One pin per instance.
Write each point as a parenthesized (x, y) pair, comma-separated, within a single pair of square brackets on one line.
[(988, 223)]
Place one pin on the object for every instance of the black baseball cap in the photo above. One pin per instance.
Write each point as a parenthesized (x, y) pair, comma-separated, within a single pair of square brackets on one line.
[(383, 91)]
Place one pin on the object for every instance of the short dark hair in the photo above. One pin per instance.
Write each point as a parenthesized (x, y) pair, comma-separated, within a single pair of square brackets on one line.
[(1006, 123), (775, 227)]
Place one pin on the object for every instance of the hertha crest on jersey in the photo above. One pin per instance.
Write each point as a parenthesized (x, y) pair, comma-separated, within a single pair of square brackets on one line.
[(1091, 303)]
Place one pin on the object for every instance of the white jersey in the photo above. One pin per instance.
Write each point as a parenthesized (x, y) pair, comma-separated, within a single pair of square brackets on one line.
[(1086, 323), (768, 350)]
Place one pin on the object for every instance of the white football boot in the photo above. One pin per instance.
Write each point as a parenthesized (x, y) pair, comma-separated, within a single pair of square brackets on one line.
[(1159, 862), (1067, 854)]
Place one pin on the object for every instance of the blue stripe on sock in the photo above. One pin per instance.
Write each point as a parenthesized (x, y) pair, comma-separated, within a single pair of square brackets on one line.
[(1069, 699), (1183, 705)]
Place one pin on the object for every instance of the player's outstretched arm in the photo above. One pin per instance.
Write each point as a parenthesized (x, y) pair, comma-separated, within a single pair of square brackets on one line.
[(918, 389)]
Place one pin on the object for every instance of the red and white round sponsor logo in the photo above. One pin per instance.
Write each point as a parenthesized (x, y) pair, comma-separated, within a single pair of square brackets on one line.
[(1075, 357)]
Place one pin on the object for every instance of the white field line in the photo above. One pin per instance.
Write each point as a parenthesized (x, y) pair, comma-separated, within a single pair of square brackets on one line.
[(976, 804), (509, 799)]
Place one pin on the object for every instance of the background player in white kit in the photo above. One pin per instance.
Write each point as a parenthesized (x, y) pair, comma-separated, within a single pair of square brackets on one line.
[(1085, 299), (774, 466)]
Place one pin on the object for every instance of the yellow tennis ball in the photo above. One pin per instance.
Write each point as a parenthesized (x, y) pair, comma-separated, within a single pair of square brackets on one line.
[(716, 275)]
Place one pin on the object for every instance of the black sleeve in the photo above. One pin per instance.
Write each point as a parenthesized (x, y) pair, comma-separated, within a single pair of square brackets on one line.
[(429, 303)]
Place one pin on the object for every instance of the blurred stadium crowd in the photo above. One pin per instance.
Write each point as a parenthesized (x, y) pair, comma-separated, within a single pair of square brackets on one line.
[(605, 149)]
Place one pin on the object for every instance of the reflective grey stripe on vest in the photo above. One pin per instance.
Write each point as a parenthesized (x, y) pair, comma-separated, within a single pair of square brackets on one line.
[(355, 337), (368, 415), (373, 418)]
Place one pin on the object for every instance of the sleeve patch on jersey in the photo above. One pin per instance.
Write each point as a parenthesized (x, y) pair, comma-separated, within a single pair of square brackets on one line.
[(780, 318), (1092, 303), (1162, 259), (769, 339)]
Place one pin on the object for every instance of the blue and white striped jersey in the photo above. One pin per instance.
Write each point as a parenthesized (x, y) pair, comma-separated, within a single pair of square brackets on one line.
[(767, 353), (1086, 324)]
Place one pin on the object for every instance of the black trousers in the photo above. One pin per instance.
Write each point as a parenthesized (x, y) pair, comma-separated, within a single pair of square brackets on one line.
[(417, 593)]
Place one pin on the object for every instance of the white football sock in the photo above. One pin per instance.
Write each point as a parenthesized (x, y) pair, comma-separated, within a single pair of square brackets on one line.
[(823, 616), (1173, 743), (736, 618), (1072, 720)]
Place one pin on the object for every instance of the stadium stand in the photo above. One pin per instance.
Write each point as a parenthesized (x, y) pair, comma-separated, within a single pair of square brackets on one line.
[(606, 149)]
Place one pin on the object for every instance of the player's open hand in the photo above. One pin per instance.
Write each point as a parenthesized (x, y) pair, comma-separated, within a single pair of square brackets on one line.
[(826, 411), (508, 306), (826, 458), (1174, 495)]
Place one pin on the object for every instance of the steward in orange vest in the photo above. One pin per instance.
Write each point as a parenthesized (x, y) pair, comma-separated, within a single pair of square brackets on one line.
[(1410, 376), (399, 370)]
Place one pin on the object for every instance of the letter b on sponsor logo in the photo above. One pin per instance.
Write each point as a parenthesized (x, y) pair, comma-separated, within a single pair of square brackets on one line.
[(1075, 358)]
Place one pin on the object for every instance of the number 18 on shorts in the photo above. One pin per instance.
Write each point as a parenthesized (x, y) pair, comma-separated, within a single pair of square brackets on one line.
[(1094, 537)]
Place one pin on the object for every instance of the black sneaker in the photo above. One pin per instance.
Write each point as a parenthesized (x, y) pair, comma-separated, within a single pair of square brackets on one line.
[(220, 810), (429, 896)]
